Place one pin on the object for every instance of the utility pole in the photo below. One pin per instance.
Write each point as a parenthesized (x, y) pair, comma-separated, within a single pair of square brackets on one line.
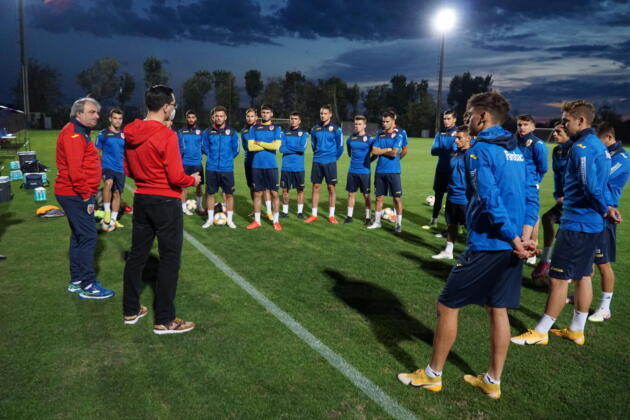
[(24, 61), (438, 110)]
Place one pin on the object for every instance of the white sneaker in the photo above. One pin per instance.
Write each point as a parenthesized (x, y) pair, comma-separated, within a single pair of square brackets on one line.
[(600, 315), (443, 256), (231, 225), (375, 225), (208, 223), (187, 212), (439, 235), (531, 260)]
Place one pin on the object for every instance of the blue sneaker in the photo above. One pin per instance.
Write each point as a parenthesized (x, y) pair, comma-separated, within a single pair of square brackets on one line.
[(96, 291), (74, 288)]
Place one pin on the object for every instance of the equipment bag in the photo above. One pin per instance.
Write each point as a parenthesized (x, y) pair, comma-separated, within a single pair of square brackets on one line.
[(32, 181)]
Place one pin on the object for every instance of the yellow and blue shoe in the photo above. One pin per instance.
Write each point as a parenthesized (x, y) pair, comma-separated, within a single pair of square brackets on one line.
[(420, 378), (107, 217), (576, 336), (118, 224), (531, 337), (491, 390)]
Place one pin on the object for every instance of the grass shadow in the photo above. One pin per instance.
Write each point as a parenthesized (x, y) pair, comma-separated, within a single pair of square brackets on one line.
[(7, 220), (436, 268), (389, 320)]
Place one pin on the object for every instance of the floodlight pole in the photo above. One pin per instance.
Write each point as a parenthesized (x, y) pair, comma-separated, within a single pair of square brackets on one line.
[(438, 110), (24, 61)]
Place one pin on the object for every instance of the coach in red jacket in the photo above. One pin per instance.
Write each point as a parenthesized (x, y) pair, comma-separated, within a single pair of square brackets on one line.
[(153, 160), (78, 178)]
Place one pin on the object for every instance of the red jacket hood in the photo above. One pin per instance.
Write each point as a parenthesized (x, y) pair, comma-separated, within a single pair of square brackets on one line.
[(140, 131)]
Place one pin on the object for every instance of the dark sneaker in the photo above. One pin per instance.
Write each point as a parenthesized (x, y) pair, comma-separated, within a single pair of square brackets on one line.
[(132, 319), (348, 220), (300, 216), (176, 326), (367, 222), (284, 215)]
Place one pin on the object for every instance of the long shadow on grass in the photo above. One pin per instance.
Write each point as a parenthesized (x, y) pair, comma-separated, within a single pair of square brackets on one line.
[(436, 268), (7, 220), (388, 318)]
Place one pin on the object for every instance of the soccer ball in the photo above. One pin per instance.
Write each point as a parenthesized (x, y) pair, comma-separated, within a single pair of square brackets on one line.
[(388, 214), (108, 227), (191, 205), (220, 219), (430, 200)]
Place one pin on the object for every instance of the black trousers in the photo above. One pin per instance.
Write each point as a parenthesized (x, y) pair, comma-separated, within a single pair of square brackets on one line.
[(160, 216)]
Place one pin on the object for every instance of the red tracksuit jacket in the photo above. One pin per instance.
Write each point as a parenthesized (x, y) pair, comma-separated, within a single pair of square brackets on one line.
[(153, 160), (78, 162)]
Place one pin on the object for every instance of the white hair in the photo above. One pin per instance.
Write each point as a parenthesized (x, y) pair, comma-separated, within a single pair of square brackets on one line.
[(79, 106)]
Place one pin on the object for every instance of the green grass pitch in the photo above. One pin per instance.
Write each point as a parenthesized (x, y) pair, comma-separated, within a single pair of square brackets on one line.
[(368, 295)]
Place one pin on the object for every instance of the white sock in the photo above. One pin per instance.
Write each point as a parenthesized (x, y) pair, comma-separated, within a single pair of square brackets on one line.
[(399, 219), (268, 205), (377, 217), (300, 208), (276, 216), (490, 380), (579, 321), (285, 208), (314, 212), (114, 216), (350, 211), (211, 215), (331, 212), (184, 207), (432, 373), (229, 216), (199, 202), (545, 324), (546, 254), (449, 247), (605, 302), (367, 213), (107, 206), (257, 217)]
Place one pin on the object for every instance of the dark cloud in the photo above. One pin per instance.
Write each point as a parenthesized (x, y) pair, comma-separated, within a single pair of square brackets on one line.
[(619, 52)]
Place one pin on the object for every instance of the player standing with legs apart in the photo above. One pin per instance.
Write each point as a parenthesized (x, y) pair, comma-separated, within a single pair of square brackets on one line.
[(220, 145), (359, 147), (387, 147), (501, 214), (190, 148), (154, 162), (584, 209), (443, 146), (559, 160), (78, 178), (535, 153), (110, 141), (327, 143), (292, 149), (606, 251), (264, 140), (456, 200)]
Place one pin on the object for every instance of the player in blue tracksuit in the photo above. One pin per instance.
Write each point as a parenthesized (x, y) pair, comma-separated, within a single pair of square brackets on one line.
[(402, 131), (387, 147), (112, 144), (220, 144), (327, 144), (359, 147), (292, 149), (501, 213), (606, 251), (456, 199), (190, 147), (559, 159), (443, 146), (264, 140), (584, 208)]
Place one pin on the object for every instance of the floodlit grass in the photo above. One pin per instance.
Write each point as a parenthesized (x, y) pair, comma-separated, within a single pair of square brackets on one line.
[(368, 295)]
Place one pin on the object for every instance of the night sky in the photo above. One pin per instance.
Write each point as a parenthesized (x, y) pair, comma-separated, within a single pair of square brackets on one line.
[(539, 52)]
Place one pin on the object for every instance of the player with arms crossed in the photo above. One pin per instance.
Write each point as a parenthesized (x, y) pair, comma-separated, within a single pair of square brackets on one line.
[(292, 149)]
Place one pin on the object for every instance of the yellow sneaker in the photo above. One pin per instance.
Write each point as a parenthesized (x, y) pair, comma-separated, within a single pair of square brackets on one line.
[(576, 336), (491, 390), (119, 225), (270, 217), (107, 217), (420, 378), (531, 337)]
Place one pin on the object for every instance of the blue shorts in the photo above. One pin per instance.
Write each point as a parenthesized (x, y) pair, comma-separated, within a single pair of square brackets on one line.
[(440, 181), (606, 250), (358, 182), (384, 183), (292, 179), (491, 278), (117, 177), (455, 213), (214, 180), (319, 171), (265, 179), (191, 169), (573, 254)]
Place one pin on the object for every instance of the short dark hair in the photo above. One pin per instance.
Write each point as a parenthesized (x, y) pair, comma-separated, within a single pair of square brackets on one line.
[(327, 106), (388, 114), (360, 118), (157, 96), (492, 102), (580, 108), (605, 128), (191, 112), (392, 110), (526, 117), (449, 112), (295, 114), (115, 111), (218, 108), (266, 107), (462, 129)]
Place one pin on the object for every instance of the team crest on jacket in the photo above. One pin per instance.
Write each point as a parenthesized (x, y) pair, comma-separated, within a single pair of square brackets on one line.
[(227, 132), (528, 142), (122, 135), (330, 128), (364, 139), (197, 132), (300, 133), (271, 127), (393, 135)]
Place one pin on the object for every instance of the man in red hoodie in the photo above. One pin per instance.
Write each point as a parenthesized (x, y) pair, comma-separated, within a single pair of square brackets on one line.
[(153, 160), (78, 178)]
